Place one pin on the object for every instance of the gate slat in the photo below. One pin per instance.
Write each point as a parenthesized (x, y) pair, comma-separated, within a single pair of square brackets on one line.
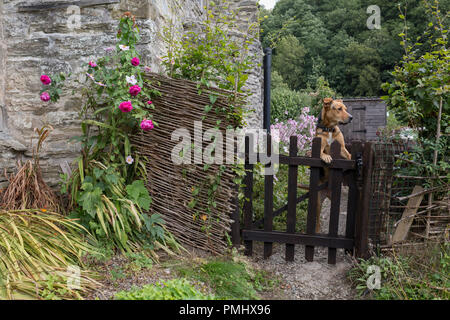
[(353, 193), (268, 200), (292, 198), (313, 198), (335, 183), (248, 194)]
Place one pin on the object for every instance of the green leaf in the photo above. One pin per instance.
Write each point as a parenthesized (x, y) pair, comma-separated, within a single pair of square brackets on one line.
[(138, 193), (90, 199)]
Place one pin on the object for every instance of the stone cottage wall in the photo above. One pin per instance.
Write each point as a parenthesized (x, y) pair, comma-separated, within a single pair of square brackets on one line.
[(35, 38)]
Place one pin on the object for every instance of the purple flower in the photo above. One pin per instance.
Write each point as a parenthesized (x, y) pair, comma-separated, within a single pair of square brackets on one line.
[(45, 96), (46, 79), (134, 90), (109, 49)]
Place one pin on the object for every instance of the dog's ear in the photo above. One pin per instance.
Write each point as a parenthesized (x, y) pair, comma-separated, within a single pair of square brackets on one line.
[(327, 103), (339, 100)]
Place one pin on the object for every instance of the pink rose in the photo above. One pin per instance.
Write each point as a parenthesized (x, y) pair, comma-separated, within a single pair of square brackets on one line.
[(149, 102), (46, 79), (126, 106), (134, 90), (135, 61), (92, 64), (147, 125), (45, 96)]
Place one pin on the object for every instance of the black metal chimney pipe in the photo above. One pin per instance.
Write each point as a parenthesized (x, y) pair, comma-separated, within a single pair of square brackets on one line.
[(267, 85)]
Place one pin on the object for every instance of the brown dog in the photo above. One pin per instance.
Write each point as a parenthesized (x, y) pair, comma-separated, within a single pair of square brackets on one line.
[(334, 112)]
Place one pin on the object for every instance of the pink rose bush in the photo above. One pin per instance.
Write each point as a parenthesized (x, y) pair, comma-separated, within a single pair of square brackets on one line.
[(126, 106), (147, 125), (92, 64), (304, 128)]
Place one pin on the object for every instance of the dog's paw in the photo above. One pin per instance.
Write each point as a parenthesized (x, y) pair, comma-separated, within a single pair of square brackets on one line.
[(326, 158)]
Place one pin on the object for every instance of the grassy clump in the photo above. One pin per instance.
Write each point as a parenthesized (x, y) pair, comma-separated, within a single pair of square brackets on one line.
[(419, 275), (175, 289), (38, 251)]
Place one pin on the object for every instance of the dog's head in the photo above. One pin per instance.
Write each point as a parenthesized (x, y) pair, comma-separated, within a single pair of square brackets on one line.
[(334, 112)]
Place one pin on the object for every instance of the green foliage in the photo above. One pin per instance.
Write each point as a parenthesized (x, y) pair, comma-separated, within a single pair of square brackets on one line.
[(36, 250), (337, 43), (139, 261), (407, 277), (175, 289), (287, 104), (229, 279), (138, 193), (420, 88), (212, 55), (280, 198), (113, 210), (289, 60)]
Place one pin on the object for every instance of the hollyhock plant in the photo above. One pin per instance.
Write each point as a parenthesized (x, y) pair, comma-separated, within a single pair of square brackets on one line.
[(126, 106), (135, 61), (45, 96), (46, 79), (134, 90), (147, 125)]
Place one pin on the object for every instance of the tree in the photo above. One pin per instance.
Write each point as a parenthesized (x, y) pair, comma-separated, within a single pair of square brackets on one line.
[(289, 60)]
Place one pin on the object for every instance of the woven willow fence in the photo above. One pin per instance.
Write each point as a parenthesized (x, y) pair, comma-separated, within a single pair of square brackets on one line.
[(171, 185)]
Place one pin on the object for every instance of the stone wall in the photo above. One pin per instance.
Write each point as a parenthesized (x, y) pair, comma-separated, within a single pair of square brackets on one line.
[(35, 38)]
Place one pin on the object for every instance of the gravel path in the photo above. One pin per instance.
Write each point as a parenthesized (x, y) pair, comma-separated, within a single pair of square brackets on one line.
[(315, 280)]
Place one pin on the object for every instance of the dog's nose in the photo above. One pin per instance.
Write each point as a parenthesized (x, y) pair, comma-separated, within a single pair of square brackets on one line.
[(350, 118)]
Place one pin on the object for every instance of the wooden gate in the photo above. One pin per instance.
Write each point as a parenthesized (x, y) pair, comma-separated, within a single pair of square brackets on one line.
[(356, 172)]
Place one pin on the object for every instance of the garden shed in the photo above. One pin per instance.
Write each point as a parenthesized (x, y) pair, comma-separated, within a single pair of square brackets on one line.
[(369, 114)]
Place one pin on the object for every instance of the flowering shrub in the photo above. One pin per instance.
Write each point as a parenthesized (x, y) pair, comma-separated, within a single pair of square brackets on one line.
[(303, 127), (52, 87), (106, 193)]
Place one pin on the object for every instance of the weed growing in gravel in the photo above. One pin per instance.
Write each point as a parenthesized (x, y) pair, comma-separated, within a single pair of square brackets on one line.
[(175, 289)]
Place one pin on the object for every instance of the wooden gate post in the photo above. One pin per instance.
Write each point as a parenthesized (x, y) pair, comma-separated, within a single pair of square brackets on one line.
[(248, 194), (268, 199), (335, 184), (236, 225), (292, 197), (313, 198), (362, 219)]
